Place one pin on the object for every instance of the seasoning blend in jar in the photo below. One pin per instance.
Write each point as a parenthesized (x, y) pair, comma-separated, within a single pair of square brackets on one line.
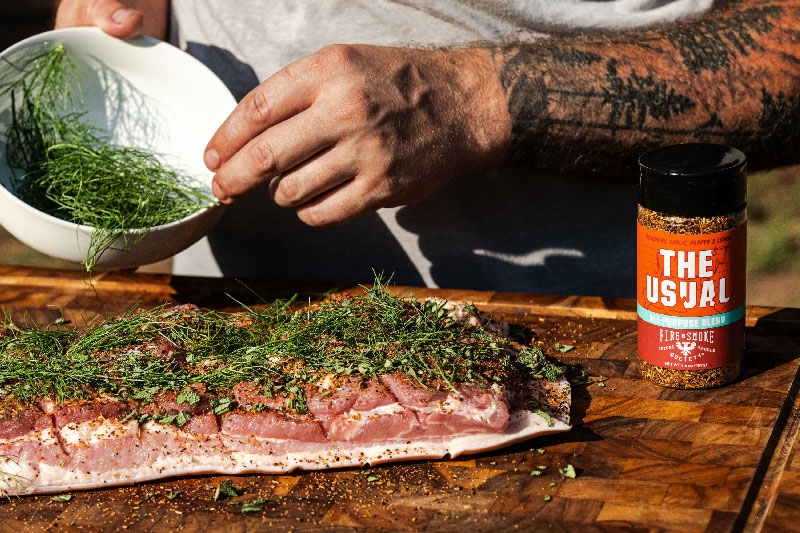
[(691, 247)]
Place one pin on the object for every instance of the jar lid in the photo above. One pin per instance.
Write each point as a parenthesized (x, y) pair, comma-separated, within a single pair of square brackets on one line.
[(691, 180)]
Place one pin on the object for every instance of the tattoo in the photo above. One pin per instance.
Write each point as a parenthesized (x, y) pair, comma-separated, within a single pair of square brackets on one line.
[(779, 120), (643, 96), (713, 44), (731, 78)]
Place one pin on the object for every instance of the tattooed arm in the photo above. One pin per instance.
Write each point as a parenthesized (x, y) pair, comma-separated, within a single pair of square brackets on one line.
[(353, 128), (597, 102)]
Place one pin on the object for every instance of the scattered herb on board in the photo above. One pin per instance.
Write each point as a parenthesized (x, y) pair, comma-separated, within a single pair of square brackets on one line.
[(225, 489), (535, 473), (548, 498), (171, 495), (61, 498), (70, 170), (563, 348), (568, 471), (254, 506)]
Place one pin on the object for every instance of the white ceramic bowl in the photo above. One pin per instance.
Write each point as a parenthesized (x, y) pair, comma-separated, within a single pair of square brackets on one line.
[(147, 94)]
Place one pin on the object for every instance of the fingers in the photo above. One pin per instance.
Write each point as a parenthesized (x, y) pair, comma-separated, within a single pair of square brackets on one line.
[(277, 150), (313, 177), (278, 98), (111, 16), (349, 201)]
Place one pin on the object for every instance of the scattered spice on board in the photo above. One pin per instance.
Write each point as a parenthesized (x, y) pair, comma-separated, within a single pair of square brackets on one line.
[(691, 246)]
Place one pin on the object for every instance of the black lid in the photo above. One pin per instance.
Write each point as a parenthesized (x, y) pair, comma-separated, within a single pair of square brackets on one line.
[(691, 180)]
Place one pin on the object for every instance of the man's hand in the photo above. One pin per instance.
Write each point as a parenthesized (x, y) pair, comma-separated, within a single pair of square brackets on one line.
[(351, 129), (118, 19)]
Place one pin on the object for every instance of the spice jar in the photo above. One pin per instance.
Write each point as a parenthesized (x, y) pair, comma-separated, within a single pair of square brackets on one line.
[(691, 246)]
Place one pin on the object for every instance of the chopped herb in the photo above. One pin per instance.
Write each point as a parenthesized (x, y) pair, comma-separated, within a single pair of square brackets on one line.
[(166, 419), (61, 498), (222, 405), (536, 473), (546, 417), (493, 463), (563, 348), (540, 450), (552, 484), (548, 498), (569, 471), (225, 489), (182, 418), (280, 350), (250, 508), (541, 467), (457, 488), (189, 396), (173, 494), (372, 479)]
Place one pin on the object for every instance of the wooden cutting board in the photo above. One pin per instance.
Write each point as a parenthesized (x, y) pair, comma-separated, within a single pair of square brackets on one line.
[(647, 458)]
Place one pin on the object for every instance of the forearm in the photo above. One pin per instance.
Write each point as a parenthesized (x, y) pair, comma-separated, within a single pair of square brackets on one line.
[(596, 102)]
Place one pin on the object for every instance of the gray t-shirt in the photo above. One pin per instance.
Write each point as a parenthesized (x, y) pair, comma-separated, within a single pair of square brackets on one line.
[(506, 228)]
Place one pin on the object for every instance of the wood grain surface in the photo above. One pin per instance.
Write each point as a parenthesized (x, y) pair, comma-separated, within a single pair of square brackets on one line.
[(647, 458)]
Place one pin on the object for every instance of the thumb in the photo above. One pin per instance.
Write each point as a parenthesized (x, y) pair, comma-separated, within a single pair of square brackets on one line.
[(111, 16)]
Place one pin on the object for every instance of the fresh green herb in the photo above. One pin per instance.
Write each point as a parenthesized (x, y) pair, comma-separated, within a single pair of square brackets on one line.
[(61, 498), (189, 396), (182, 418), (73, 172), (536, 473), (222, 405), (552, 484), (541, 467), (540, 450), (253, 507), (533, 360), (10, 483), (563, 348), (280, 350), (548, 498), (225, 489), (546, 416), (569, 471), (173, 494), (372, 479)]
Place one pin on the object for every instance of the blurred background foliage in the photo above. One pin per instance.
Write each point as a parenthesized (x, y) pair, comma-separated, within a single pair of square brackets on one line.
[(773, 260)]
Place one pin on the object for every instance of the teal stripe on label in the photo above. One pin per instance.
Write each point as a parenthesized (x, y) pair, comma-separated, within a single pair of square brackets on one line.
[(701, 322)]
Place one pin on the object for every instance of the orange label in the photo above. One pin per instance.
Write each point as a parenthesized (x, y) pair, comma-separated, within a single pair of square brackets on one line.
[(691, 297), (691, 275)]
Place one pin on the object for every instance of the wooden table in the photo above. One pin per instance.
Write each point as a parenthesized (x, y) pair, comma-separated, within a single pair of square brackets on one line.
[(647, 458)]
